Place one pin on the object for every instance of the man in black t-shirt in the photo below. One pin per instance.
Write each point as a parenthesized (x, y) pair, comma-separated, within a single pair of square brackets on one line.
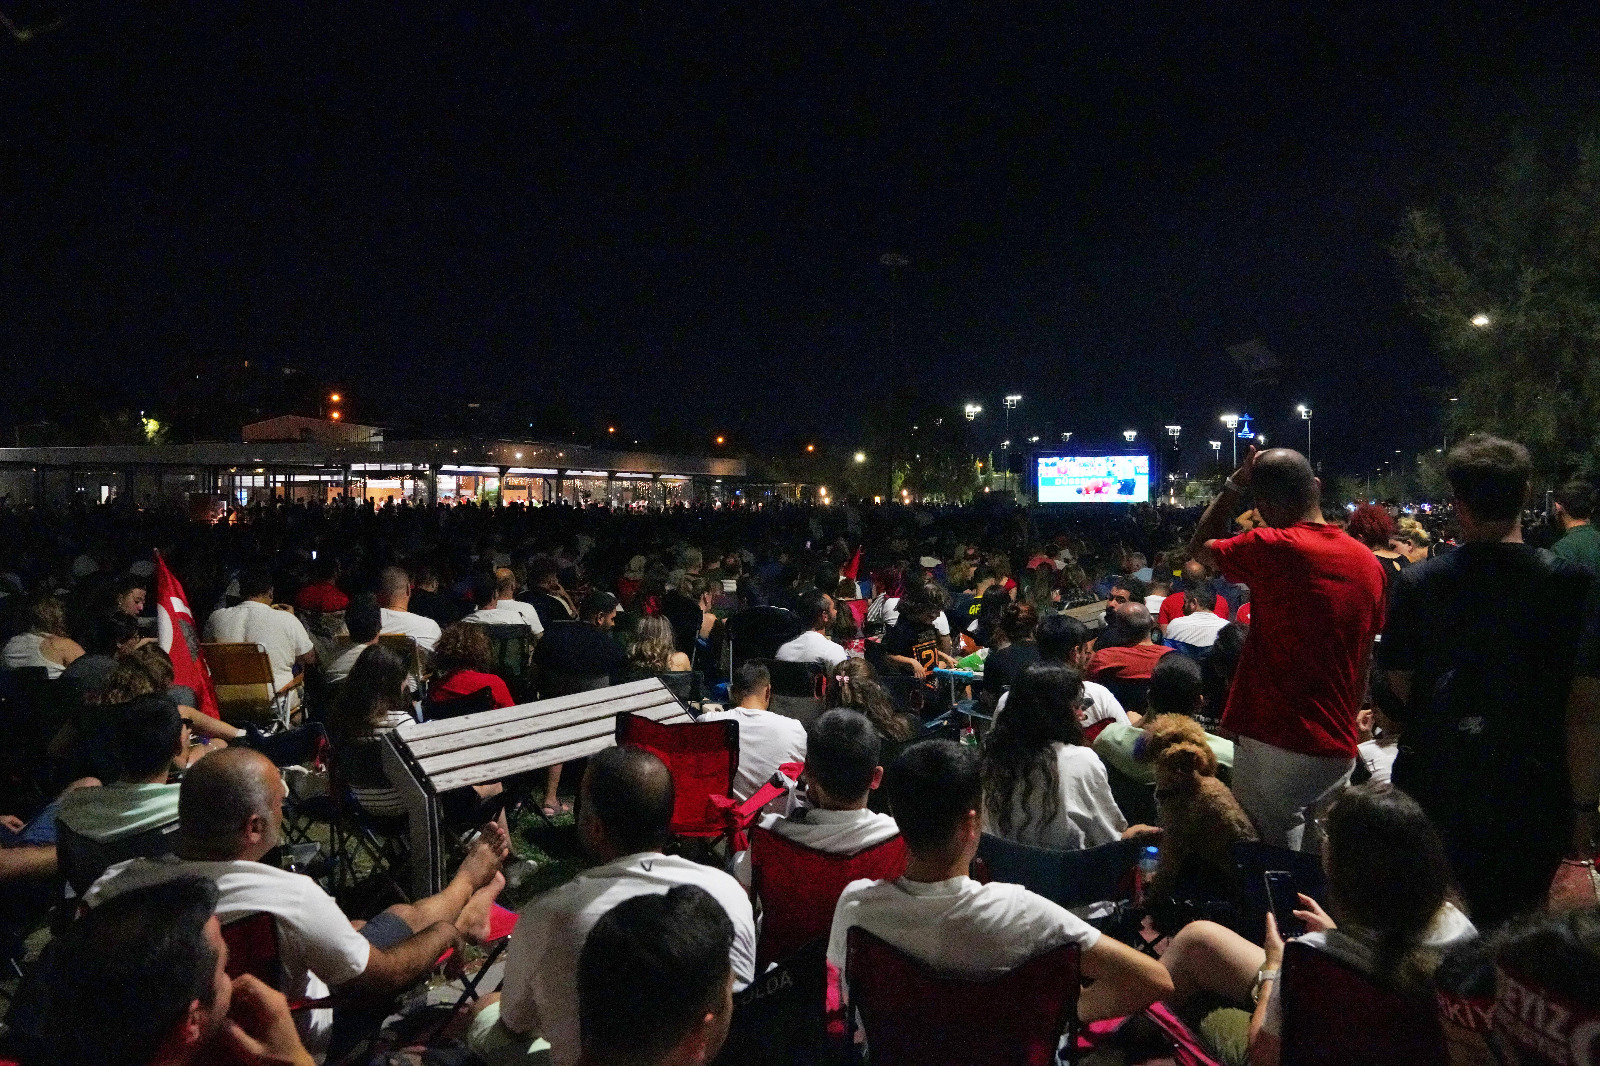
[(583, 649), (1478, 651), (912, 645)]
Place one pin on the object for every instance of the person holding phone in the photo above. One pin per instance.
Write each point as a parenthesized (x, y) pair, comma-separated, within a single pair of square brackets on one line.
[(1391, 914)]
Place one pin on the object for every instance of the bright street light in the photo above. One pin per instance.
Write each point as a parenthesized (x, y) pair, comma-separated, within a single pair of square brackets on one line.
[(973, 410), (1481, 320), (1232, 422), (1129, 434), (1066, 437), (861, 457), (1173, 431)]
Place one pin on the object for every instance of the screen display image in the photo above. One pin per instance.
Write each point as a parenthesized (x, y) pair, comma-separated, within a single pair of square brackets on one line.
[(1094, 478)]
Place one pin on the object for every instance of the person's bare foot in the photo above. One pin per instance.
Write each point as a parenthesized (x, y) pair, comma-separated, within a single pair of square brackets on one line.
[(474, 918), (485, 856)]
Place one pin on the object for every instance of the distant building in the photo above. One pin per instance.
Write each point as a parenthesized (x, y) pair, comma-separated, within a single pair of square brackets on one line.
[(298, 428)]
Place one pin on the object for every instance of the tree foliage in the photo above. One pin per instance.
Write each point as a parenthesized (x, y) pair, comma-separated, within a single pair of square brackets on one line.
[(1524, 251)]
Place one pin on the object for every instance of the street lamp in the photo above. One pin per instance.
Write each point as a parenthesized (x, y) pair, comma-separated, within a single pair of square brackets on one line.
[(1129, 434), (1011, 402), (973, 410), (1305, 415), (1216, 451), (1066, 437), (1481, 320), (1232, 422), (861, 457)]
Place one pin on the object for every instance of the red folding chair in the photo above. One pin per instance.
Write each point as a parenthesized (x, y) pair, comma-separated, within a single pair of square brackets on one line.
[(1321, 996), (915, 1017), (702, 757), (799, 887), (253, 949)]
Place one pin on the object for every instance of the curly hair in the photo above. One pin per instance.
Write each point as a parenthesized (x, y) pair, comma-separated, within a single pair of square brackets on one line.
[(1371, 525), (1019, 758), (860, 690), (653, 644), (462, 646)]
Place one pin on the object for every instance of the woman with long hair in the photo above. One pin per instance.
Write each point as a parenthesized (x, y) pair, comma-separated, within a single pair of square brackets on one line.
[(1391, 914), (654, 649), (1041, 785), (1006, 662), (860, 690)]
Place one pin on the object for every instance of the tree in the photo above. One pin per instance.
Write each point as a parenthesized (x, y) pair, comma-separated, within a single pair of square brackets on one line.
[(1507, 278)]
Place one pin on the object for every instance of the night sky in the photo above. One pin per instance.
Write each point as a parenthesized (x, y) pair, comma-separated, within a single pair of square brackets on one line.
[(671, 212)]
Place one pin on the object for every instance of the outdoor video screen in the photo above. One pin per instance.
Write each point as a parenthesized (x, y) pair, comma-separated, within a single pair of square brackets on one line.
[(1094, 478)]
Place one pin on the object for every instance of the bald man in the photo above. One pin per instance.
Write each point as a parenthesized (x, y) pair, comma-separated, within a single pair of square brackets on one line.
[(1127, 651), (230, 815), (625, 822), (1316, 604)]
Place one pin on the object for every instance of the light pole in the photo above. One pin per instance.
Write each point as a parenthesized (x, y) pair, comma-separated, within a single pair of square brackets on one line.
[(1305, 416), (1011, 402), (972, 411), (1232, 422), (1216, 452), (1129, 434), (1065, 437)]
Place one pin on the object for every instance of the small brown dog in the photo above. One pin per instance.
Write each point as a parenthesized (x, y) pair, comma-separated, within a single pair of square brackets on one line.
[(1200, 819)]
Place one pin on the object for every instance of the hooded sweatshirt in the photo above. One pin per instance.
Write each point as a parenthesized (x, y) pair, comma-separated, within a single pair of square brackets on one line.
[(118, 810)]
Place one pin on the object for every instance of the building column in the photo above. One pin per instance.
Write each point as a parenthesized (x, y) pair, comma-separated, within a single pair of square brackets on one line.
[(561, 476), (433, 484), (500, 497)]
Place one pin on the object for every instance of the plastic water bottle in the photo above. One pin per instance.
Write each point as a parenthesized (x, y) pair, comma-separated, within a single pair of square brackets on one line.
[(969, 738), (1149, 859)]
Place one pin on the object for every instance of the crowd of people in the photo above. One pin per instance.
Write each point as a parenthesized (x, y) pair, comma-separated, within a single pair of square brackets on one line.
[(1416, 702)]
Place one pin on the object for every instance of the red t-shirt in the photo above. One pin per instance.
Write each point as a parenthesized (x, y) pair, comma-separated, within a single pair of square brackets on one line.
[(1303, 670), (1172, 607), (466, 682), (1132, 663), (323, 596)]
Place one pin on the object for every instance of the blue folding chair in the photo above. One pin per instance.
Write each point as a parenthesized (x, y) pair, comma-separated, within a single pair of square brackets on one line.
[(1070, 878)]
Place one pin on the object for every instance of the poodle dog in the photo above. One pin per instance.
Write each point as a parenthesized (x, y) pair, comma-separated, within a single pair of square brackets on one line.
[(1200, 819)]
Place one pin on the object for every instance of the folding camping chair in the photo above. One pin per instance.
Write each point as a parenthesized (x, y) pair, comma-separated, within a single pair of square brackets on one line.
[(246, 690), (703, 757), (1321, 997), (511, 657), (799, 887), (1070, 878), (913, 1016), (799, 690)]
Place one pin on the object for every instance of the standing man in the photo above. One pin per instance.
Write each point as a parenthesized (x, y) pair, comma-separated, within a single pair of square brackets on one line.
[(1478, 651), (1318, 604), (1580, 541)]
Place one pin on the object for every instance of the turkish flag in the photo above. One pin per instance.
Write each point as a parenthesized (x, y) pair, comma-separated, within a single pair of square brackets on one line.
[(853, 571), (176, 633)]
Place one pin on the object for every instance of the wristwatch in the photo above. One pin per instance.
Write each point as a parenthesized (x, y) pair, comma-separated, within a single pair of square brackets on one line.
[(1262, 977)]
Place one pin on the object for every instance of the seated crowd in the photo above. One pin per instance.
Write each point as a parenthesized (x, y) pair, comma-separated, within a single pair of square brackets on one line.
[(1395, 732)]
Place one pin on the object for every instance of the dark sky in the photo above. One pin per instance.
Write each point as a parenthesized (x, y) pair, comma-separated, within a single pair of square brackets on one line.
[(670, 210)]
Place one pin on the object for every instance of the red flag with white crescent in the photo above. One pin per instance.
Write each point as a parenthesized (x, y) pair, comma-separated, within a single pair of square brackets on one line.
[(175, 630)]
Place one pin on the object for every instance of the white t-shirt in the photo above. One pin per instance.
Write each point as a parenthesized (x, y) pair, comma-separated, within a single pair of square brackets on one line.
[(1086, 815), (339, 669), (27, 649), (1359, 948), (508, 613), (1102, 705), (766, 742), (252, 622), (1153, 604), (812, 647), (425, 631), (540, 994), (957, 926), (1199, 629), (317, 945), (832, 832)]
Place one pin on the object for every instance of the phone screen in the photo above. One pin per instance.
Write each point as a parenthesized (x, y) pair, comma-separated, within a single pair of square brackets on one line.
[(1282, 899)]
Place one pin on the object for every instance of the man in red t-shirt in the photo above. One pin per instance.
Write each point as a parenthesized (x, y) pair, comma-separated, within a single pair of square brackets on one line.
[(1303, 670)]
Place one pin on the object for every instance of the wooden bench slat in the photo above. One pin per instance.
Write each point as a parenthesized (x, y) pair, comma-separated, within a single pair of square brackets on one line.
[(538, 723), (412, 732), (605, 725), (497, 771)]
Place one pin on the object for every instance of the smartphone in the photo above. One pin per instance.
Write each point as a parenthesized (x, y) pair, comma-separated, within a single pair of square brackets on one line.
[(1282, 899)]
